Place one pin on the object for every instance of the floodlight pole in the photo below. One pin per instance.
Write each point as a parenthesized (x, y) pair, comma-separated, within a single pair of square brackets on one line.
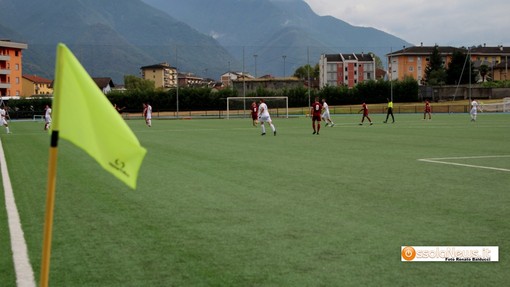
[(244, 89), (469, 56), (308, 74), (391, 74), (177, 84)]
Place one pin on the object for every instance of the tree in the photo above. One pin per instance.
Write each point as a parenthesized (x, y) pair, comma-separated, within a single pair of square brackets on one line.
[(378, 62), (302, 72), (435, 73), (457, 67), (135, 83), (483, 70)]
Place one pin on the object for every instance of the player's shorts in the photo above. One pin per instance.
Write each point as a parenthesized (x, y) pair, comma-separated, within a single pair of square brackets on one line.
[(254, 117), (365, 114), (316, 118), (265, 119), (47, 119), (3, 121), (473, 111), (325, 115)]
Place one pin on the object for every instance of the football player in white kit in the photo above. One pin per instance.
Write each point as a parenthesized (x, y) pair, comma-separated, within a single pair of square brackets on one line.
[(474, 110), (147, 114), (264, 117), (325, 115), (3, 114), (47, 117)]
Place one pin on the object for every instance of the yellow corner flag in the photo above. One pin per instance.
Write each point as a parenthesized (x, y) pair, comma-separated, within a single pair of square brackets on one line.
[(84, 116)]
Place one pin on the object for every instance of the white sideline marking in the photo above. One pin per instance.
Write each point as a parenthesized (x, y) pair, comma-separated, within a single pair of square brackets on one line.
[(441, 161), (22, 267)]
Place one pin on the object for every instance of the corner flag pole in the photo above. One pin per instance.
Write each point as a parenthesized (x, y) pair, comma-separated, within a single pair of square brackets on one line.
[(50, 203), (51, 186)]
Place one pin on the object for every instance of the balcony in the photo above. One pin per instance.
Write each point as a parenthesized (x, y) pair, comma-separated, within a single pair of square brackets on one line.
[(5, 86), (5, 72), (5, 58)]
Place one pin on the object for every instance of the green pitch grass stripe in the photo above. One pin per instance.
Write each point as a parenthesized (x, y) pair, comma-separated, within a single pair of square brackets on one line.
[(24, 272)]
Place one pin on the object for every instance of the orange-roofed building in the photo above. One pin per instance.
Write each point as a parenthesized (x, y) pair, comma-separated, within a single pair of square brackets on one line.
[(36, 86)]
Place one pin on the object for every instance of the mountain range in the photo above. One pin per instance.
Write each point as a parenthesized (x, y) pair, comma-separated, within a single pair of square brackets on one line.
[(113, 38)]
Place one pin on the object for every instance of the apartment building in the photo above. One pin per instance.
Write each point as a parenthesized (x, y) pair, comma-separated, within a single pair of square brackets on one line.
[(228, 78), (412, 61), (346, 69), (496, 58), (33, 85), (11, 68), (163, 75)]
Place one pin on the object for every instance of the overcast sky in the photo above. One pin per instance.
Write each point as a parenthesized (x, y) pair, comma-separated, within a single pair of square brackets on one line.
[(444, 22)]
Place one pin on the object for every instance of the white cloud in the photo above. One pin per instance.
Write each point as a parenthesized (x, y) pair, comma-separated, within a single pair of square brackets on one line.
[(453, 22)]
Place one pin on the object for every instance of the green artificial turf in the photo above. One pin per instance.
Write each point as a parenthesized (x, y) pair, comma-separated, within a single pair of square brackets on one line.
[(218, 204)]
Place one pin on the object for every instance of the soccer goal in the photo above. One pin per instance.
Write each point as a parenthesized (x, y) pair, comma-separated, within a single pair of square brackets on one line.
[(501, 107), (239, 107)]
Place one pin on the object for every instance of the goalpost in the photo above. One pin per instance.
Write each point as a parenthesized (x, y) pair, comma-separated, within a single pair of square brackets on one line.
[(240, 106), (502, 107)]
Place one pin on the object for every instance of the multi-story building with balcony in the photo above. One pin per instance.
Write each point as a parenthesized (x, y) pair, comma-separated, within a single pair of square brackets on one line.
[(412, 61), (11, 68), (496, 58), (346, 69), (163, 75)]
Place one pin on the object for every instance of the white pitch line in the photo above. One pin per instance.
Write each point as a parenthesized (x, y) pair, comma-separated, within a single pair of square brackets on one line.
[(440, 160), (22, 267)]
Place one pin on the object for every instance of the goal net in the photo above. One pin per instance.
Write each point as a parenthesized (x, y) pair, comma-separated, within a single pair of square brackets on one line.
[(239, 107), (501, 107)]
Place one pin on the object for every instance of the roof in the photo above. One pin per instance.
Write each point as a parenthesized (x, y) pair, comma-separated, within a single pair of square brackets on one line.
[(9, 44), (499, 50), (37, 79), (103, 82), (426, 50), (346, 57), (158, 66)]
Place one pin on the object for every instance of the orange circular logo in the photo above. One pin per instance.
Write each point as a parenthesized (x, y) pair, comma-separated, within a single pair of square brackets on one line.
[(408, 253)]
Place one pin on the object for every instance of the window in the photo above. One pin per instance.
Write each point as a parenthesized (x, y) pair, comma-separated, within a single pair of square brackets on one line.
[(411, 69), (346, 69), (17, 80), (410, 59), (17, 67)]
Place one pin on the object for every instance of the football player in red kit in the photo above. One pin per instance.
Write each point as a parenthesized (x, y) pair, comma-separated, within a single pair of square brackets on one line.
[(254, 113), (364, 108), (315, 111)]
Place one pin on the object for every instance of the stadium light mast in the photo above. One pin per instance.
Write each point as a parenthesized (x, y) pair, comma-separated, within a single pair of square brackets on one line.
[(469, 57), (244, 89), (176, 84), (308, 74), (390, 69), (284, 57)]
